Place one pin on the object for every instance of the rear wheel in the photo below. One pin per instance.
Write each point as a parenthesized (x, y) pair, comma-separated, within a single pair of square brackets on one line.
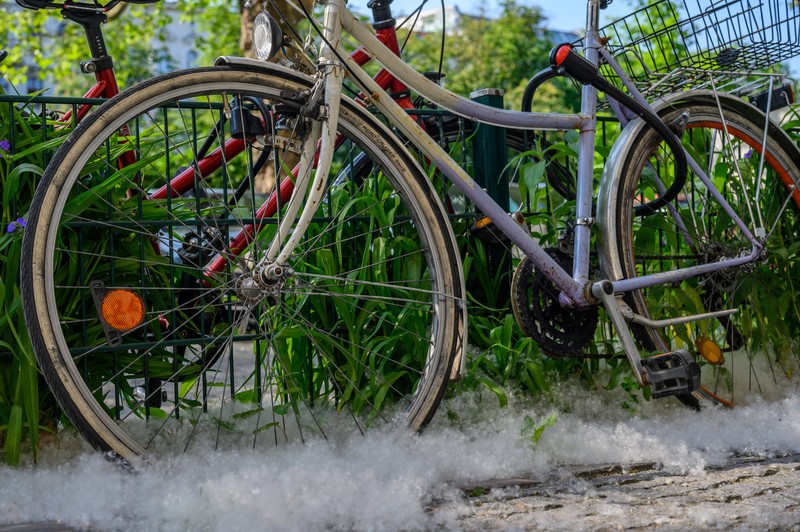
[(154, 321), (753, 352)]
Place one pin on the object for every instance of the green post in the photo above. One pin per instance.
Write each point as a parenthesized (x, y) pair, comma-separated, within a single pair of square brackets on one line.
[(489, 151), (490, 158)]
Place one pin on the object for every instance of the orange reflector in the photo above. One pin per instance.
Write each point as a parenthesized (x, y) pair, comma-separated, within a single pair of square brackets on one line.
[(122, 309), (481, 223), (710, 351), (562, 53)]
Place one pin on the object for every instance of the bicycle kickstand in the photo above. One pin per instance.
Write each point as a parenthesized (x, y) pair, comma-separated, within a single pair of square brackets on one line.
[(674, 373)]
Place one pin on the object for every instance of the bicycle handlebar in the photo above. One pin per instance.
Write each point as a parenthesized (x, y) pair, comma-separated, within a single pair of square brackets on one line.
[(564, 59)]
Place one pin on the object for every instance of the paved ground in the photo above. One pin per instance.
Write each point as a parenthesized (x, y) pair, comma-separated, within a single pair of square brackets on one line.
[(745, 494)]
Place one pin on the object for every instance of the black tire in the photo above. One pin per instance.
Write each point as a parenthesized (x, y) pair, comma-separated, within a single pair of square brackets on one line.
[(360, 330), (753, 352)]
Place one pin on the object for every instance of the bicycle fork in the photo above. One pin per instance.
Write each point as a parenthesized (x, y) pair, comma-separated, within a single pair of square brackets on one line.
[(322, 103)]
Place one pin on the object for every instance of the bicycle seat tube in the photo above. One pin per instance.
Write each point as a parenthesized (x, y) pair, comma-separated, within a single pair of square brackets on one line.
[(100, 64), (584, 194)]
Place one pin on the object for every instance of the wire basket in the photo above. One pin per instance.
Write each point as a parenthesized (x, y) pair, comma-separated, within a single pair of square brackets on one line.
[(709, 35)]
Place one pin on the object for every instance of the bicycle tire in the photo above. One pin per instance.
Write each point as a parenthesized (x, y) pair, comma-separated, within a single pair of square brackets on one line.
[(750, 353), (362, 331)]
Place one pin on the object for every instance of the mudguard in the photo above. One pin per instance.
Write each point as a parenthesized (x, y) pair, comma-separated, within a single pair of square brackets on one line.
[(607, 211)]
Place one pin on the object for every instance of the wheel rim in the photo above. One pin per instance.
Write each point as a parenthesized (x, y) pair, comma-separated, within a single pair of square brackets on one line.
[(230, 354)]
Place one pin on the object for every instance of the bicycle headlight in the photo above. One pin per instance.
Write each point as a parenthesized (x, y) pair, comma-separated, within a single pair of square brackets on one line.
[(267, 36)]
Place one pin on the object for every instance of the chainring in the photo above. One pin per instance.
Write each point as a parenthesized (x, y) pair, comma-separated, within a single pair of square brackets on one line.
[(560, 332)]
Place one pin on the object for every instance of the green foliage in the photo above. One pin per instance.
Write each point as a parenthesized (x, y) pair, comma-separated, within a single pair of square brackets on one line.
[(478, 491), (506, 360), (534, 430), (503, 53), (135, 38), (217, 24), (26, 141)]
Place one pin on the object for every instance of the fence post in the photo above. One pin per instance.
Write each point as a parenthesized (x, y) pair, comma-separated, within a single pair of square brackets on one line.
[(490, 157)]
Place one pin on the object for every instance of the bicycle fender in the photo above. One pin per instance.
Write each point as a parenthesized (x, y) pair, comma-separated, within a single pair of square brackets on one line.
[(256, 65), (607, 212)]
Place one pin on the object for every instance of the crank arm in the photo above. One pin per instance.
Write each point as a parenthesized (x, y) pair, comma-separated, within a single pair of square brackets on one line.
[(604, 291), (673, 373)]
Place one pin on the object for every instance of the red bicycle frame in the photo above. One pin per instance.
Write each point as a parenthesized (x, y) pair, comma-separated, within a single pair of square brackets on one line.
[(183, 182)]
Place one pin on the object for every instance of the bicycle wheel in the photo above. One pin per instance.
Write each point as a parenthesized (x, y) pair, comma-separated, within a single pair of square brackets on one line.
[(151, 317), (750, 353)]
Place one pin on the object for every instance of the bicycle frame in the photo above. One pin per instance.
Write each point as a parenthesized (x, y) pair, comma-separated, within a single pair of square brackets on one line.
[(575, 286), (100, 65), (301, 197)]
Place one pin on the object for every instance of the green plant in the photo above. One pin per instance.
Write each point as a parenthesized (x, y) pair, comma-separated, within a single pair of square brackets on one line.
[(26, 142), (534, 430), (139, 43)]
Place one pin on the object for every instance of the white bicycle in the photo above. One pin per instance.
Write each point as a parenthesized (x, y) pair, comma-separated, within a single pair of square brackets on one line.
[(166, 302)]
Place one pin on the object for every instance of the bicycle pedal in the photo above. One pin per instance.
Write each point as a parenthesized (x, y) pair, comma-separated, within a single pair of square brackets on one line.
[(487, 232), (674, 373)]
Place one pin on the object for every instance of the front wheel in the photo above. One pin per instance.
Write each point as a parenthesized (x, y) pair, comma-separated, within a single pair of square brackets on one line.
[(153, 320), (755, 168)]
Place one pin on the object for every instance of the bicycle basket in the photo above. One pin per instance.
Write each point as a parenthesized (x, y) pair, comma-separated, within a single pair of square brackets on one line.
[(707, 35)]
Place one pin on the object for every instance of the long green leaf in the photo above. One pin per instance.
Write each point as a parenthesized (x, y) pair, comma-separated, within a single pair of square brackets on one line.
[(502, 397), (13, 436)]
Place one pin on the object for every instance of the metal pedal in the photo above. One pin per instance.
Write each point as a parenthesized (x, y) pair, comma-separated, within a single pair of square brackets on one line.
[(672, 373)]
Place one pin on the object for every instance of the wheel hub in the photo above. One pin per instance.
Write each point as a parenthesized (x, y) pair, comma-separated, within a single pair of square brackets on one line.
[(263, 284)]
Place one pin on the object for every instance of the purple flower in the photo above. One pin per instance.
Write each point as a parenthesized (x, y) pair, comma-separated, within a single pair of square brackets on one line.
[(5, 145), (749, 153), (19, 223)]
